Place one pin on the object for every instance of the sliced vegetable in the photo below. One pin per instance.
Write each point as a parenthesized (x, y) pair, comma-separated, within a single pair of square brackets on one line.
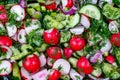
[(42, 60), (91, 11)]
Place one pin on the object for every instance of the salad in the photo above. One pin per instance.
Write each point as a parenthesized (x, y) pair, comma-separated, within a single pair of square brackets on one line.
[(59, 39)]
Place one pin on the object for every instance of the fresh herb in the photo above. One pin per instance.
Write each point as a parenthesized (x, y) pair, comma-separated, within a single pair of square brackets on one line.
[(77, 77), (28, 22)]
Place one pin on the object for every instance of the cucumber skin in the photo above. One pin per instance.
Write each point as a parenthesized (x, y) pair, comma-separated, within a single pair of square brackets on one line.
[(100, 15)]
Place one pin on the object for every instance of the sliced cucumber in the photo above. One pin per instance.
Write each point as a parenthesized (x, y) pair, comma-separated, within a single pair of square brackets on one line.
[(91, 11), (111, 12), (73, 20)]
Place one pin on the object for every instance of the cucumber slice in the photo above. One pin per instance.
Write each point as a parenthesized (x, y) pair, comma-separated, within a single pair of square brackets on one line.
[(91, 11), (111, 12), (73, 20)]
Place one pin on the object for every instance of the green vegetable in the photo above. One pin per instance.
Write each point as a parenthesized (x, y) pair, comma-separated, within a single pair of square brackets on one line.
[(65, 77), (111, 12), (97, 71), (110, 71), (73, 61), (34, 38), (117, 2), (91, 11), (65, 36), (15, 50), (16, 72)]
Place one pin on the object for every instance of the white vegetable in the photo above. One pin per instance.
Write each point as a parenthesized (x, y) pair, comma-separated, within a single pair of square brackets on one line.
[(77, 30), (49, 61), (42, 59), (64, 3), (85, 21), (35, 24), (41, 75), (22, 36), (76, 76), (18, 11), (113, 27), (11, 29), (25, 74), (64, 64), (5, 68), (107, 46), (1, 26), (94, 1), (8, 53)]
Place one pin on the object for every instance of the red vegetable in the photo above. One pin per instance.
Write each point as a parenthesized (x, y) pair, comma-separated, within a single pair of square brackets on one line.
[(31, 63), (55, 75), (52, 6), (67, 3), (5, 41), (68, 52), (54, 52), (110, 59), (3, 15), (77, 43), (51, 36), (115, 39), (84, 65)]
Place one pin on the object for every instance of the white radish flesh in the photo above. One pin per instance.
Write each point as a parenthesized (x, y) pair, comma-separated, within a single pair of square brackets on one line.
[(113, 27), (11, 29), (35, 24), (1, 26), (64, 64), (22, 36), (77, 30), (76, 76), (64, 3), (25, 74), (19, 11), (85, 21), (42, 59), (15, 37), (94, 1), (9, 52), (49, 61), (41, 75), (106, 47), (5, 68)]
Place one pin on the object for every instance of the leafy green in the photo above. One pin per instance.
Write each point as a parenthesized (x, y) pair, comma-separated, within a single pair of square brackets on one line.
[(35, 38)]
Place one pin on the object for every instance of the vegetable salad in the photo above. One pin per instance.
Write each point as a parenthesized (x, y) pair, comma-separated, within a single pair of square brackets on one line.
[(59, 39)]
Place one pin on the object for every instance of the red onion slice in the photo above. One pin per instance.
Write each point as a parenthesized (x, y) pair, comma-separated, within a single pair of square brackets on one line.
[(23, 3), (71, 11), (94, 78), (97, 56)]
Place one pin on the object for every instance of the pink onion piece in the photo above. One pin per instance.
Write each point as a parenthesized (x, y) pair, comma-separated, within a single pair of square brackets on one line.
[(23, 3), (70, 12), (9, 51), (94, 78), (97, 56)]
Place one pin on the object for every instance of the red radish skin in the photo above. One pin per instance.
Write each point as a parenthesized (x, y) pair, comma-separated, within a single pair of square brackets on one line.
[(54, 52), (51, 36), (52, 6), (77, 43), (68, 52), (67, 3), (31, 63), (55, 75), (115, 39), (110, 59), (84, 65)]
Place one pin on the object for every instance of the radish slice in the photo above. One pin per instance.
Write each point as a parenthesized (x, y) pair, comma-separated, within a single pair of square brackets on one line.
[(25, 74), (49, 61), (41, 75), (1, 26), (5, 68), (11, 29), (94, 1), (15, 37), (77, 30), (42, 59), (85, 21), (94, 78), (64, 3), (22, 36), (76, 76), (35, 24), (113, 27), (8, 54), (19, 11), (64, 64), (106, 47)]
